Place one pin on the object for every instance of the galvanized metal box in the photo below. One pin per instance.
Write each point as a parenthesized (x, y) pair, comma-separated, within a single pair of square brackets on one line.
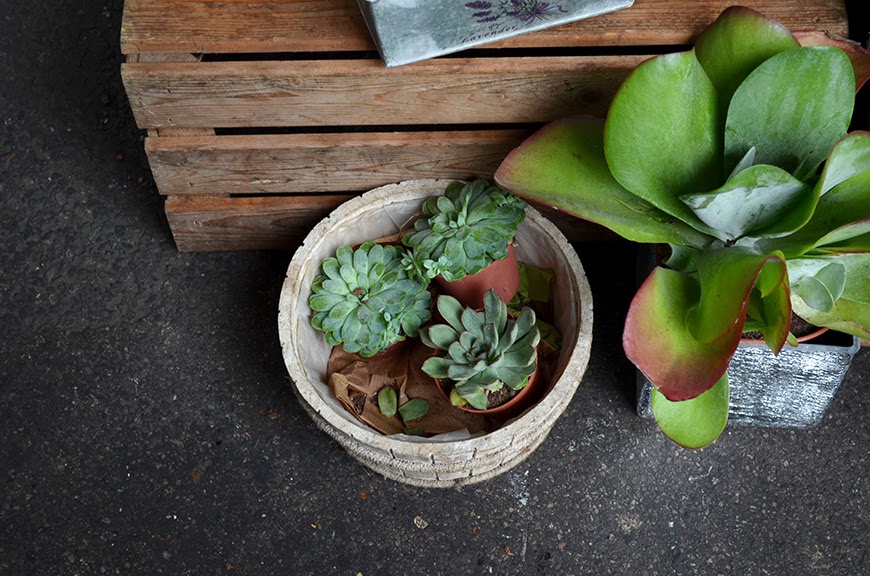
[(791, 390), (411, 30)]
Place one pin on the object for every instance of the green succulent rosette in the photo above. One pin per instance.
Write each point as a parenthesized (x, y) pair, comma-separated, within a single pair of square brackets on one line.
[(365, 301), (484, 351), (466, 229)]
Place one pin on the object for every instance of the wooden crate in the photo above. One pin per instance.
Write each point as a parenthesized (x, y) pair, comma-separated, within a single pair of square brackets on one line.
[(264, 116)]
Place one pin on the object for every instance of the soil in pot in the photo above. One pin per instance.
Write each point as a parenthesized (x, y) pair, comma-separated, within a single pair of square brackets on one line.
[(508, 403), (802, 330)]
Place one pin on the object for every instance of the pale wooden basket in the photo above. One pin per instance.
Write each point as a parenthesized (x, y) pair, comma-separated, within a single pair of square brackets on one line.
[(457, 458)]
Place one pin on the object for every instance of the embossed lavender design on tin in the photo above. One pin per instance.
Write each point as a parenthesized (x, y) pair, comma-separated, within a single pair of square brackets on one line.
[(525, 11)]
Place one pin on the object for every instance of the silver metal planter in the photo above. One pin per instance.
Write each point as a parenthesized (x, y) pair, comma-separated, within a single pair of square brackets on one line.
[(791, 390), (411, 30)]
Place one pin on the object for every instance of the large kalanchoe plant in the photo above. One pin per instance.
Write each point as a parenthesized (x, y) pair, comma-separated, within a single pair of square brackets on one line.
[(736, 154), (366, 301), (466, 229), (484, 351)]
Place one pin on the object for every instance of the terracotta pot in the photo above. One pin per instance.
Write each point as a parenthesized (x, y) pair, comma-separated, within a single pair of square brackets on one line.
[(513, 407), (503, 276), (804, 338)]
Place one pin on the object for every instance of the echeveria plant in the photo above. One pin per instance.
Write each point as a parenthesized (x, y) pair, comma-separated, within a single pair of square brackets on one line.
[(484, 351), (465, 230), (366, 301), (736, 154)]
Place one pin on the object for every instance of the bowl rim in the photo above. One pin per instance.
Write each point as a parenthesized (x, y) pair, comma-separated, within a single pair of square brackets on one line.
[(416, 190)]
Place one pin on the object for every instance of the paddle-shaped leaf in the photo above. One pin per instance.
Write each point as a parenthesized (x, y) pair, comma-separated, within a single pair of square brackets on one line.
[(737, 43), (727, 278), (793, 125), (663, 137), (859, 57), (851, 312), (414, 409), (657, 337), (849, 157), (387, 401), (697, 422), (854, 237), (756, 198), (840, 214), (562, 165), (821, 290)]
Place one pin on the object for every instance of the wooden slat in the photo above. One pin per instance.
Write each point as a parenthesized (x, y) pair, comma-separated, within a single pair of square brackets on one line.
[(232, 26), (322, 162), (362, 92), (206, 224)]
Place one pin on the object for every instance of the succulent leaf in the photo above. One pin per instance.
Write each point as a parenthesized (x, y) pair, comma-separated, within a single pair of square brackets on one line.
[(736, 44), (387, 401), (495, 312), (472, 322), (414, 409), (436, 367), (800, 135), (658, 340), (562, 165), (489, 351), (649, 156), (344, 255), (365, 301), (726, 280), (756, 198), (697, 422), (849, 157), (851, 312), (857, 54), (466, 229), (839, 215)]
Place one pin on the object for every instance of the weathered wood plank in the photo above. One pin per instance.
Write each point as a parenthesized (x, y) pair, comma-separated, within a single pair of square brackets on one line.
[(206, 224), (363, 92), (222, 26), (269, 164)]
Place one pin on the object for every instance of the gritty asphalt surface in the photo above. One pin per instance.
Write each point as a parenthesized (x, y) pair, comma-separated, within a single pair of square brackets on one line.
[(147, 424)]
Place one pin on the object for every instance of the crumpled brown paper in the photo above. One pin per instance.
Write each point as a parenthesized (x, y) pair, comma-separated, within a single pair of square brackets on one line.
[(356, 381)]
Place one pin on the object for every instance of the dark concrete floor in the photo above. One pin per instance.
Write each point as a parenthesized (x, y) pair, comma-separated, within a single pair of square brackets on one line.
[(147, 424)]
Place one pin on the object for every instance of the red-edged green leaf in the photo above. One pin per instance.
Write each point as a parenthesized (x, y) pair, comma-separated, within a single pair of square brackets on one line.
[(793, 125), (697, 422), (657, 337), (839, 213), (854, 237), (727, 278), (563, 166), (859, 57), (849, 157), (775, 292), (662, 138), (737, 43)]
